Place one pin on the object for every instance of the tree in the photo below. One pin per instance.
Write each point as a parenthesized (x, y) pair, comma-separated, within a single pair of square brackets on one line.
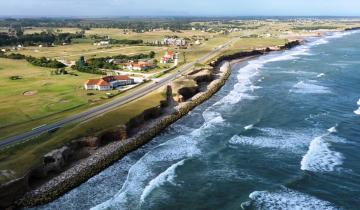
[(82, 61), (152, 54)]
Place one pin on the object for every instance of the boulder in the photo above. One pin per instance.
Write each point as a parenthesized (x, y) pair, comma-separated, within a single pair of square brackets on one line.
[(89, 141), (117, 134), (56, 159)]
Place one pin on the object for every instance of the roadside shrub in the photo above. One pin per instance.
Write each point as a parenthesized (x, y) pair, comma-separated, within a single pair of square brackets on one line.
[(16, 77)]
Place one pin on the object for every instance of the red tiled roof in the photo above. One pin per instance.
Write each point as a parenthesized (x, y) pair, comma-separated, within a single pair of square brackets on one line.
[(92, 81), (105, 80), (108, 78), (103, 83), (122, 77)]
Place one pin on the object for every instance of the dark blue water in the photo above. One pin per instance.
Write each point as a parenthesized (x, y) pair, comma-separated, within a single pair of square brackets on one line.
[(281, 134)]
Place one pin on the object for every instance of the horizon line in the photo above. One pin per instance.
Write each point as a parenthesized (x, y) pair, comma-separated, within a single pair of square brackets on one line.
[(169, 16)]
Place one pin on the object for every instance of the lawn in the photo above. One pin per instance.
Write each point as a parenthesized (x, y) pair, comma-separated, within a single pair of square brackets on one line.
[(146, 36), (244, 44), (74, 51), (38, 93), (21, 158)]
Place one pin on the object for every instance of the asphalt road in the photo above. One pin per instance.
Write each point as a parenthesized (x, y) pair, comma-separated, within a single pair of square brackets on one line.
[(101, 109)]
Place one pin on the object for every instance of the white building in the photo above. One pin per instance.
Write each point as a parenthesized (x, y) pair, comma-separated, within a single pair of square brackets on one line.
[(108, 83)]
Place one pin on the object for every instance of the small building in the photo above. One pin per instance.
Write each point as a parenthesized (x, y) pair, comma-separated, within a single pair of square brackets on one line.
[(102, 43), (174, 42), (169, 57), (139, 66), (108, 83)]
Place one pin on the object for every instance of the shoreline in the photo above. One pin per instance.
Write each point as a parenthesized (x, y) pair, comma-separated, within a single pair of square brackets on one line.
[(107, 155)]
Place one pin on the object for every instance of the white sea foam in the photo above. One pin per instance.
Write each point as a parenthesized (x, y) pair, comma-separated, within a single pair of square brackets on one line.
[(209, 115), (144, 170), (287, 199), (319, 157), (333, 129), (167, 176), (245, 87), (249, 127), (254, 87), (295, 141), (309, 88), (357, 112), (319, 42), (341, 34), (242, 89), (261, 79), (320, 75), (358, 102)]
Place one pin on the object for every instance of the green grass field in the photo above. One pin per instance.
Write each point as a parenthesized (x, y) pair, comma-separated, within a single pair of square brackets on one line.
[(38, 93), (146, 36), (74, 51), (21, 158), (244, 44)]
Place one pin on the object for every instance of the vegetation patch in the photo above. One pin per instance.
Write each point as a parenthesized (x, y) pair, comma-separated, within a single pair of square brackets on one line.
[(44, 38), (16, 77)]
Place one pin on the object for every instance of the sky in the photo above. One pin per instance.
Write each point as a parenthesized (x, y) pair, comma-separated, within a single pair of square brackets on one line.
[(117, 8)]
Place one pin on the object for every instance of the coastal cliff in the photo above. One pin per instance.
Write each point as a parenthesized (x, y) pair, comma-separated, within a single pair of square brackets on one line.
[(112, 145)]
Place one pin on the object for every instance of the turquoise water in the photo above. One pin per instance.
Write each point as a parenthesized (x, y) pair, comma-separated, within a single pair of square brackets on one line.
[(283, 133)]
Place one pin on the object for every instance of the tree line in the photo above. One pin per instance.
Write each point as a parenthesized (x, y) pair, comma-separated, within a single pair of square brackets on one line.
[(42, 62), (43, 38), (135, 24)]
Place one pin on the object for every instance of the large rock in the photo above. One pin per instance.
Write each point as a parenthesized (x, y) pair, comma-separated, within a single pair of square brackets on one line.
[(117, 134), (53, 161), (56, 159), (90, 141), (188, 92)]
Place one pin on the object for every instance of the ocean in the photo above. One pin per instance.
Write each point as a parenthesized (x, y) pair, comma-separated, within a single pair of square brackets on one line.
[(283, 133)]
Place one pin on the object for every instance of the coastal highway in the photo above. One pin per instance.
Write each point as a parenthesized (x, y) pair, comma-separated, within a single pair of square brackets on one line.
[(115, 103)]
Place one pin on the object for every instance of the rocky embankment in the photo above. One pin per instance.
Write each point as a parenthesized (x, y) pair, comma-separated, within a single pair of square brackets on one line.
[(352, 29), (67, 167)]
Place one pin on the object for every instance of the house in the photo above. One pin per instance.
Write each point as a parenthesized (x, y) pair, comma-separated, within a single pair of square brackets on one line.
[(174, 42), (108, 83), (139, 66), (169, 57), (102, 43)]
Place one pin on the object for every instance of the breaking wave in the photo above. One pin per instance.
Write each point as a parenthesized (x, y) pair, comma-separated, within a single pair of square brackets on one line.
[(244, 88), (166, 176), (320, 75), (295, 141), (249, 127), (357, 112), (320, 157), (309, 88), (333, 129), (142, 173), (287, 199)]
